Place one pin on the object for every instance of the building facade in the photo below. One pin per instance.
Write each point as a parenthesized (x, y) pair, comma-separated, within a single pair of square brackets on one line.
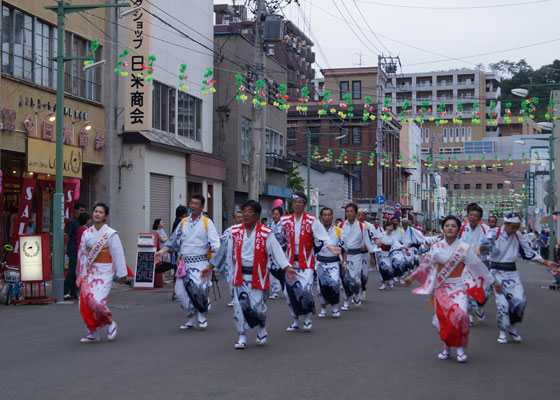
[(28, 126), (352, 140)]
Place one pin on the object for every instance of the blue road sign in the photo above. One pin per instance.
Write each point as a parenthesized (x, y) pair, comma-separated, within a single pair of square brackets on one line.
[(380, 200)]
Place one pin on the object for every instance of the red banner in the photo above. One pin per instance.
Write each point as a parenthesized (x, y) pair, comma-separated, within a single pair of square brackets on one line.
[(70, 188), (24, 213)]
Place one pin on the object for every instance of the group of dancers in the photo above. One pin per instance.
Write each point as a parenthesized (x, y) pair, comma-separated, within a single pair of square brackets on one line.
[(300, 251)]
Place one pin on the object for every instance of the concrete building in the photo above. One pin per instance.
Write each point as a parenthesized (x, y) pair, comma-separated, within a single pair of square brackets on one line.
[(355, 134), (333, 185), (410, 191), (28, 93), (161, 160), (232, 119), (451, 88)]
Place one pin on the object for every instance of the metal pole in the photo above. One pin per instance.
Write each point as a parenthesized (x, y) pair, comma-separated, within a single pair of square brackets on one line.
[(379, 138), (58, 197), (257, 112), (308, 134), (552, 239)]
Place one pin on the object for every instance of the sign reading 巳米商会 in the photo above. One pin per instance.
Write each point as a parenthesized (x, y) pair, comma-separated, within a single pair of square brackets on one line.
[(138, 94), (41, 158)]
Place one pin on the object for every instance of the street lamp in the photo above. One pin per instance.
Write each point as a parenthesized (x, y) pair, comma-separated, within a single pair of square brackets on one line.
[(62, 8)]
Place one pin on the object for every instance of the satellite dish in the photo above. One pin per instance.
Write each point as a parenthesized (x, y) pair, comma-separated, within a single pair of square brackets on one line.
[(520, 92), (546, 125)]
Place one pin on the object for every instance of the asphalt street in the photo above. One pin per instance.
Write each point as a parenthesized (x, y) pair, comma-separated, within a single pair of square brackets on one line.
[(387, 349)]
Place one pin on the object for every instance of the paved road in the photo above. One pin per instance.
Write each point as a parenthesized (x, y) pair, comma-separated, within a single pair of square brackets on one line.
[(385, 350)]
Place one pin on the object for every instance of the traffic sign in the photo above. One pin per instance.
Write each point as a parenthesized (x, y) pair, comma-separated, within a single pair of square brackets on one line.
[(397, 214), (398, 206), (380, 200)]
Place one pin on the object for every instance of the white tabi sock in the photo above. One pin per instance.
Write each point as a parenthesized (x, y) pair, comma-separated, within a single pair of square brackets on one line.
[(460, 351), (262, 331), (307, 318), (334, 309), (201, 317), (242, 338)]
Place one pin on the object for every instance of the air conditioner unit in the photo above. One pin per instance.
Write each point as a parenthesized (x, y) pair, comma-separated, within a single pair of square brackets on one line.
[(273, 28)]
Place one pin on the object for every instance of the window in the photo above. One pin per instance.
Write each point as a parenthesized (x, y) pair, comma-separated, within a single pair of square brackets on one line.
[(356, 90), (467, 186), (344, 140), (27, 44), (427, 135), (480, 146), (357, 135), (500, 185), (344, 89), (488, 186), (445, 134), (357, 179), (188, 116), (463, 134), (456, 186), (274, 142), (315, 139), (500, 169), (245, 139), (163, 108), (469, 134), (457, 134), (478, 169), (479, 186), (446, 186)]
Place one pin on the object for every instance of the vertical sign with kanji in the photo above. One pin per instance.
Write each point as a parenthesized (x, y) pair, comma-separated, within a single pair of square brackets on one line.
[(138, 98)]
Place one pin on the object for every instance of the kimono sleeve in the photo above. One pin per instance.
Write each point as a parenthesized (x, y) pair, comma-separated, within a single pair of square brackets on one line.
[(117, 255), (488, 242), (367, 236), (320, 234), (477, 267), (219, 259), (423, 271), (213, 238), (525, 250), (275, 251), (174, 241)]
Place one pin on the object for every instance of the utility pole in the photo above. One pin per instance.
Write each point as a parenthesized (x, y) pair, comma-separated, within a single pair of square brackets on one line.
[(257, 156), (61, 9), (379, 137)]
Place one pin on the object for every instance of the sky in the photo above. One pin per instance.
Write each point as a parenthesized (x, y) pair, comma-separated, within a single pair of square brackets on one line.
[(428, 35)]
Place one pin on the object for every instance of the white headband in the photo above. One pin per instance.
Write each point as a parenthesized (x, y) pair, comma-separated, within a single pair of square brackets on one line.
[(514, 219)]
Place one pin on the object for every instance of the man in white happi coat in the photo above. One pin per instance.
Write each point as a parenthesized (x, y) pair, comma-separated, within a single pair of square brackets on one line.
[(473, 231), (412, 238), (355, 237), (192, 239), (504, 246), (368, 260), (252, 250), (302, 233), (237, 219), (328, 268)]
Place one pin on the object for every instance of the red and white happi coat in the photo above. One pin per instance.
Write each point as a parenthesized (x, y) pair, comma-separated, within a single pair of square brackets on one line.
[(260, 275), (306, 256)]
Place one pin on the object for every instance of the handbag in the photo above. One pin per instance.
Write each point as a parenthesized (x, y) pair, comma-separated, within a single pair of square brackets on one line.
[(181, 270)]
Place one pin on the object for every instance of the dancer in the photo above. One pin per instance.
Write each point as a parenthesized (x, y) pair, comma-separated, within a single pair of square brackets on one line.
[(492, 222), (450, 273), (328, 268), (300, 231), (473, 231), (249, 249), (390, 245), (226, 235), (355, 239), (100, 257), (505, 246), (398, 256), (415, 239), (192, 239), (276, 275), (368, 259)]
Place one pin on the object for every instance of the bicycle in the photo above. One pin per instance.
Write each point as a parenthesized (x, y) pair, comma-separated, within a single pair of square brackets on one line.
[(9, 278)]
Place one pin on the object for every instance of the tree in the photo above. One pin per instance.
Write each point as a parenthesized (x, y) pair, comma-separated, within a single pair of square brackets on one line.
[(521, 75)]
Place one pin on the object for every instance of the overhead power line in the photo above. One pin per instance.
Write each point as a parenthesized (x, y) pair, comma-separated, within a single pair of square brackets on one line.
[(454, 8)]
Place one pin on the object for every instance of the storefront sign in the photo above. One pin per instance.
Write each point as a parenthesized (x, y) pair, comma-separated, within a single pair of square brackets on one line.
[(24, 213), (138, 97), (531, 189), (70, 189), (41, 158), (34, 258)]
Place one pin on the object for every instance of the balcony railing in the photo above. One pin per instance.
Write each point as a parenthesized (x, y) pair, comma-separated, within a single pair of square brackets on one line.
[(277, 162)]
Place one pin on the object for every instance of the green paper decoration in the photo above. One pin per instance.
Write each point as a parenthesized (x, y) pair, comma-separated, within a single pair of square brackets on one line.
[(303, 100), (122, 63), (282, 98), (208, 82), (386, 111), (240, 91), (183, 77), (368, 112)]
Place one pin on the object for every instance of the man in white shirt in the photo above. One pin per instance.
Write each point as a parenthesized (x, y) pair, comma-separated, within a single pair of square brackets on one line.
[(302, 233), (355, 237), (505, 246), (249, 248), (473, 231), (192, 239)]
